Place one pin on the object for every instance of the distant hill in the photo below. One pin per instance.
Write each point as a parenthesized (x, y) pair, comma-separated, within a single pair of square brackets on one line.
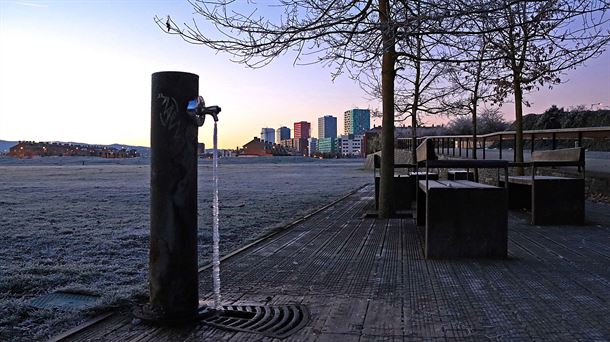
[(144, 151), (554, 118), (6, 145)]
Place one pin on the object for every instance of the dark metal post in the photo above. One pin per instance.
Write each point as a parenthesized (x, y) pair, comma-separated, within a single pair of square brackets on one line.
[(460, 147), (453, 146), (173, 278), (532, 142), (500, 146), (484, 147), (515, 147), (554, 141), (579, 139)]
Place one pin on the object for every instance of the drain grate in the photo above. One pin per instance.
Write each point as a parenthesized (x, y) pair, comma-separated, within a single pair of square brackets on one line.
[(64, 300), (277, 321)]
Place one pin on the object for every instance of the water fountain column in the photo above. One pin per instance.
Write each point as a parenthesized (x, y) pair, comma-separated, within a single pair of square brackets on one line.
[(173, 278)]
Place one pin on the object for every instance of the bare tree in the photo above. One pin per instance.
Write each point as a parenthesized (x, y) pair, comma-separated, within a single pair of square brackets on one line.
[(349, 35), (469, 84), (539, 41), (343, 34)]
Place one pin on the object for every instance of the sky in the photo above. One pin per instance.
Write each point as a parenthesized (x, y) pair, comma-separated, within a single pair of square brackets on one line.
[(80, 71)]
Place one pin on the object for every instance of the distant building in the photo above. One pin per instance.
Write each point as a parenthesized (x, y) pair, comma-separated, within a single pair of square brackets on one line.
[(351, 145), (327, 127), (200, 149), (313, 146), (357, 121), (282, 133), (268, 134), (327, 145), (261, 148), (301, 146), (302, 130), (222, 153)]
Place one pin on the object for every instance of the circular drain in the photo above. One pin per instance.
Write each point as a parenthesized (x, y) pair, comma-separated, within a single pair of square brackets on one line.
[(277, 321)]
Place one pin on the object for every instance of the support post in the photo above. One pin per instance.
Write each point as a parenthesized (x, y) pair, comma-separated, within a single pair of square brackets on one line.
[(173, 277), (500, 146), (515, 148)]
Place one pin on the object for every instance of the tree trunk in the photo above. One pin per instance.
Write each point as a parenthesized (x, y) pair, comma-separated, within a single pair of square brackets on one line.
[(474, 132), (518, 125), (386, 181)]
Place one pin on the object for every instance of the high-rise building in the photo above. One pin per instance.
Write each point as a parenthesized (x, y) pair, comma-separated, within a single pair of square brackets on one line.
[(282, 133), (268, 134), (327, 127), (357, 121), (302, 130)]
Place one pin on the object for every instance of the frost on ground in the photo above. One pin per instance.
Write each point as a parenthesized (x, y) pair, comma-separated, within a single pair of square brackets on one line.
[(82, 224)]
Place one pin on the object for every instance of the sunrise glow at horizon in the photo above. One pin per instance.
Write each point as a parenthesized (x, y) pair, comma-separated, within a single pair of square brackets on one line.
[(80, 71)]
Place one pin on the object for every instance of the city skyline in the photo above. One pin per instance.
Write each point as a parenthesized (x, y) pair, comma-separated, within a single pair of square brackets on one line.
[(59, 84)]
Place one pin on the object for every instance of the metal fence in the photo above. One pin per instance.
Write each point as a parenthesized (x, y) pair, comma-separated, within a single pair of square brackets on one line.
[(465, 146)]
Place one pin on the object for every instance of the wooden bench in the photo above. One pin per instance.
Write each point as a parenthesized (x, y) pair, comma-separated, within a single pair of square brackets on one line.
[(462, 218), (551, 199)]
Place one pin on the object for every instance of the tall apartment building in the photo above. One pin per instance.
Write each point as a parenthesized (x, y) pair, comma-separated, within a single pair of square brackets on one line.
[(302, 130), (282, 133), (268, 134), (357, 121), (327, 127)]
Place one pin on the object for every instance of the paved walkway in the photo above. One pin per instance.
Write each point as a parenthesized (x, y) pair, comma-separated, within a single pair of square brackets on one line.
[(366, 279)]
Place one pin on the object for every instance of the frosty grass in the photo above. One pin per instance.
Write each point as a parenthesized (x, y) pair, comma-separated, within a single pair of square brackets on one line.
[(84, 228)]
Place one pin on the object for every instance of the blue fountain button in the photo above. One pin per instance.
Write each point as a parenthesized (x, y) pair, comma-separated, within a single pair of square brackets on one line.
[(192, 105)]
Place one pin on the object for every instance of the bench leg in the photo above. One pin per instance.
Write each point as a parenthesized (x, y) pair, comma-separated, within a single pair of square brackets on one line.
[(420, 218), (519, 195)]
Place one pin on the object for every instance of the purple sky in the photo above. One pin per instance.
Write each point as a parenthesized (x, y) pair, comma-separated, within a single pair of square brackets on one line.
[(80, 71)]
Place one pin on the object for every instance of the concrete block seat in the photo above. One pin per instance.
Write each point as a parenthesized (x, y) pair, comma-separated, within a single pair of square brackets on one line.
[(552, 200), (463, 219), (403, 183)]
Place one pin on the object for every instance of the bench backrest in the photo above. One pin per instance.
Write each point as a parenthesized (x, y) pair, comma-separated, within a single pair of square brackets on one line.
[(425, 151), (565, 155)]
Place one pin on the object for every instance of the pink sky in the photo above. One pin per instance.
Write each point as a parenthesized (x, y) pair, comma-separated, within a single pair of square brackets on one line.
[(80, 71)]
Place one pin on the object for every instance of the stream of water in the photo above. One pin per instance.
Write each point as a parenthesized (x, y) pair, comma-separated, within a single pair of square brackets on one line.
[(215, 233)]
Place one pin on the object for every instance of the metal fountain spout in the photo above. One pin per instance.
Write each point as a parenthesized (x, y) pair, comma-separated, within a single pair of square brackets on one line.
[(197, 110)]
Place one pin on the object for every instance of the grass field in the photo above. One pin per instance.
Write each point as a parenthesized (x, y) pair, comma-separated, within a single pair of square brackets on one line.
[(82, 224)]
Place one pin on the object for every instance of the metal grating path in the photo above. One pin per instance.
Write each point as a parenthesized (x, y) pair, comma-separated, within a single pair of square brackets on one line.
[(277, 321), (365, 279)]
